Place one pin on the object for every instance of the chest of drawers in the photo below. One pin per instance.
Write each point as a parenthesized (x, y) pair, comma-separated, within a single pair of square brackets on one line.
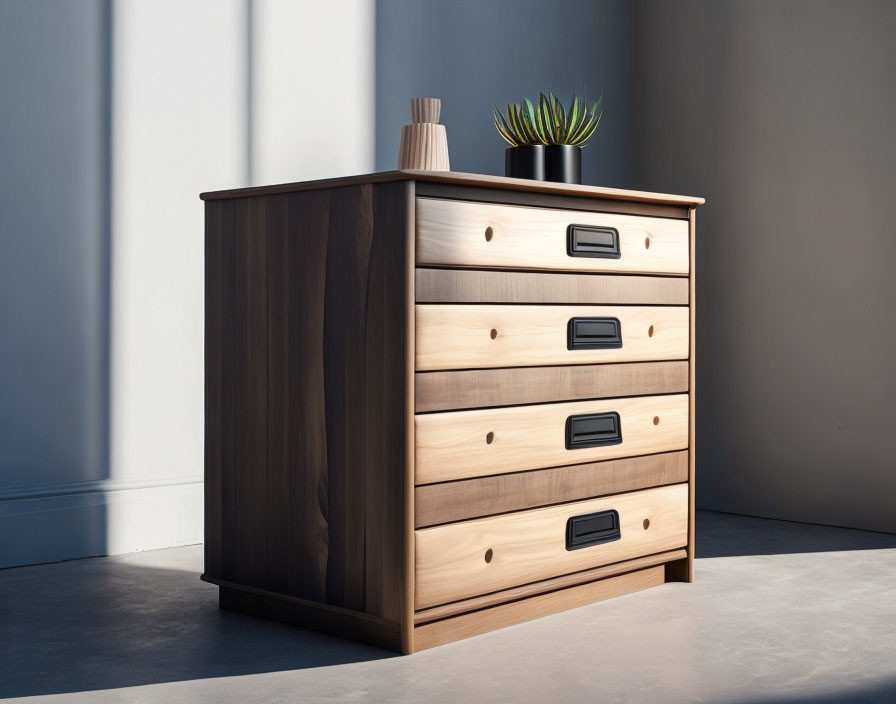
[(439, 404)]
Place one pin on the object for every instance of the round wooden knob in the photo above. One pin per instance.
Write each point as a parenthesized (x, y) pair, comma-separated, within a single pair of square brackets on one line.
[(647, 242), (489, 555), (493, 334), (489, 233), (489, 438), (656, 420), (646, 523), (650, 331)]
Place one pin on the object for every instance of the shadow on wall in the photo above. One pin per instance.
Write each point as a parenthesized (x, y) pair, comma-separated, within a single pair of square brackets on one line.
[(727, 535), (55, 66)]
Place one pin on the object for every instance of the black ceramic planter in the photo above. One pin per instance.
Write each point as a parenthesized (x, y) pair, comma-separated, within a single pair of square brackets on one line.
[(563, 163), (525, 162)]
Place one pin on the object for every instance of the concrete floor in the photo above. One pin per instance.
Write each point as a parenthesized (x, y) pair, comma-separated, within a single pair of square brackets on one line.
[(781, 612)]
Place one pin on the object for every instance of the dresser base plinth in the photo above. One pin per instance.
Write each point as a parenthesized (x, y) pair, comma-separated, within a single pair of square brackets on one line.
[(318, 617), (386, 634), (475, 623)]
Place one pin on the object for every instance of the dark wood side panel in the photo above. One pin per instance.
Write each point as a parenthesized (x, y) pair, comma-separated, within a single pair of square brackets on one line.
[(278, 474), (306, 303), (218, 291), (472, 286), (487, 496), (481, 388)]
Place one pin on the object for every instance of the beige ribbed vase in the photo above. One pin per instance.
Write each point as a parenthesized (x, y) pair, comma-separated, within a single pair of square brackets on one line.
[(424, 143)]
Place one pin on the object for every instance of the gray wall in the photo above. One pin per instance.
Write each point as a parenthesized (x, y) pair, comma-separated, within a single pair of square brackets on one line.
[(53, 267), (469, 52), (782, 115)]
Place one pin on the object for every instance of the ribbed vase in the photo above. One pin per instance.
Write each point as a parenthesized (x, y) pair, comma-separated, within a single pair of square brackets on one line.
[(424, 145)]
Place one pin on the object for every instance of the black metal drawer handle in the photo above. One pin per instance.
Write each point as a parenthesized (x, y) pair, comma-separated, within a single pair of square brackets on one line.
[(593, 430), (593, 334), (592, 529), (595, 242)]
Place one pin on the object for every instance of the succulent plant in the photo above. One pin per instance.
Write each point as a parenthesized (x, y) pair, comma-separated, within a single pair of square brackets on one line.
[(548, 122)]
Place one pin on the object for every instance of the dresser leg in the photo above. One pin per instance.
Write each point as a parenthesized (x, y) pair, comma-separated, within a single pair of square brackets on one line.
[(678, 571)]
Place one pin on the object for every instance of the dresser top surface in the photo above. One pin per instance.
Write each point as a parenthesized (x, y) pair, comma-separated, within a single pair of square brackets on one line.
[(462, 179)]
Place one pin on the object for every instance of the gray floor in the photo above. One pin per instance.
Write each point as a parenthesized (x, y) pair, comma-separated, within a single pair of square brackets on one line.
[(781, 612)]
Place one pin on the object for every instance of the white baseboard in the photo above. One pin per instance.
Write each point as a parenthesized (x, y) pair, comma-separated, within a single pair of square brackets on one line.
[(49, 524)]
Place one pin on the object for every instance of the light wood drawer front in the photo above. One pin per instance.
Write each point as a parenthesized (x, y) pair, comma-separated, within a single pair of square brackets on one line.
[(461, 560), (484, 336), (463, 444), (485, 235)]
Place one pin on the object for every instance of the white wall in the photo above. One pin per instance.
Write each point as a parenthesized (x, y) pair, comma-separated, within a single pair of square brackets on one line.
[(189, 96), (312, 89)]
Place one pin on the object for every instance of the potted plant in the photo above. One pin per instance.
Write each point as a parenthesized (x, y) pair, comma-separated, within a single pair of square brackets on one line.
[(546, 141)]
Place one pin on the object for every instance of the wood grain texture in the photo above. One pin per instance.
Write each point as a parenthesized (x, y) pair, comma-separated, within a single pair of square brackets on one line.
[(307, 365), (478, 388), (406, 594), (504, 596), (462, 179), (486, 496), (473, 286), (692, 401), (531, 545), (219, 299), (486, 336), (487, 235), (445, 631), (316, 412), (456, 445), (489, 193)]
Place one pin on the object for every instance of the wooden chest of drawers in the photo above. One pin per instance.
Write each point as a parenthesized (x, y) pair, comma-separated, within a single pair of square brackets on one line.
[(439, 403)]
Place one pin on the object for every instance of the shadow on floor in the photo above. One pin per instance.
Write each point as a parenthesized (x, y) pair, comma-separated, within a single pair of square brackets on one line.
[(727, 535), (884, 693), (104, 623), (110, 623)]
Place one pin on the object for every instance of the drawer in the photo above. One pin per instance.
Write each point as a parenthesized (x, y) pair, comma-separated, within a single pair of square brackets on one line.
[(462, 444), (485, 235), (484, 336), (461, 560)]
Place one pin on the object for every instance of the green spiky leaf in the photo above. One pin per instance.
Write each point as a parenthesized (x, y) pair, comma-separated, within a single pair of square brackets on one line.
[(572, 119), (546, 116), (503, 128), (547, 121), (513, 114)]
